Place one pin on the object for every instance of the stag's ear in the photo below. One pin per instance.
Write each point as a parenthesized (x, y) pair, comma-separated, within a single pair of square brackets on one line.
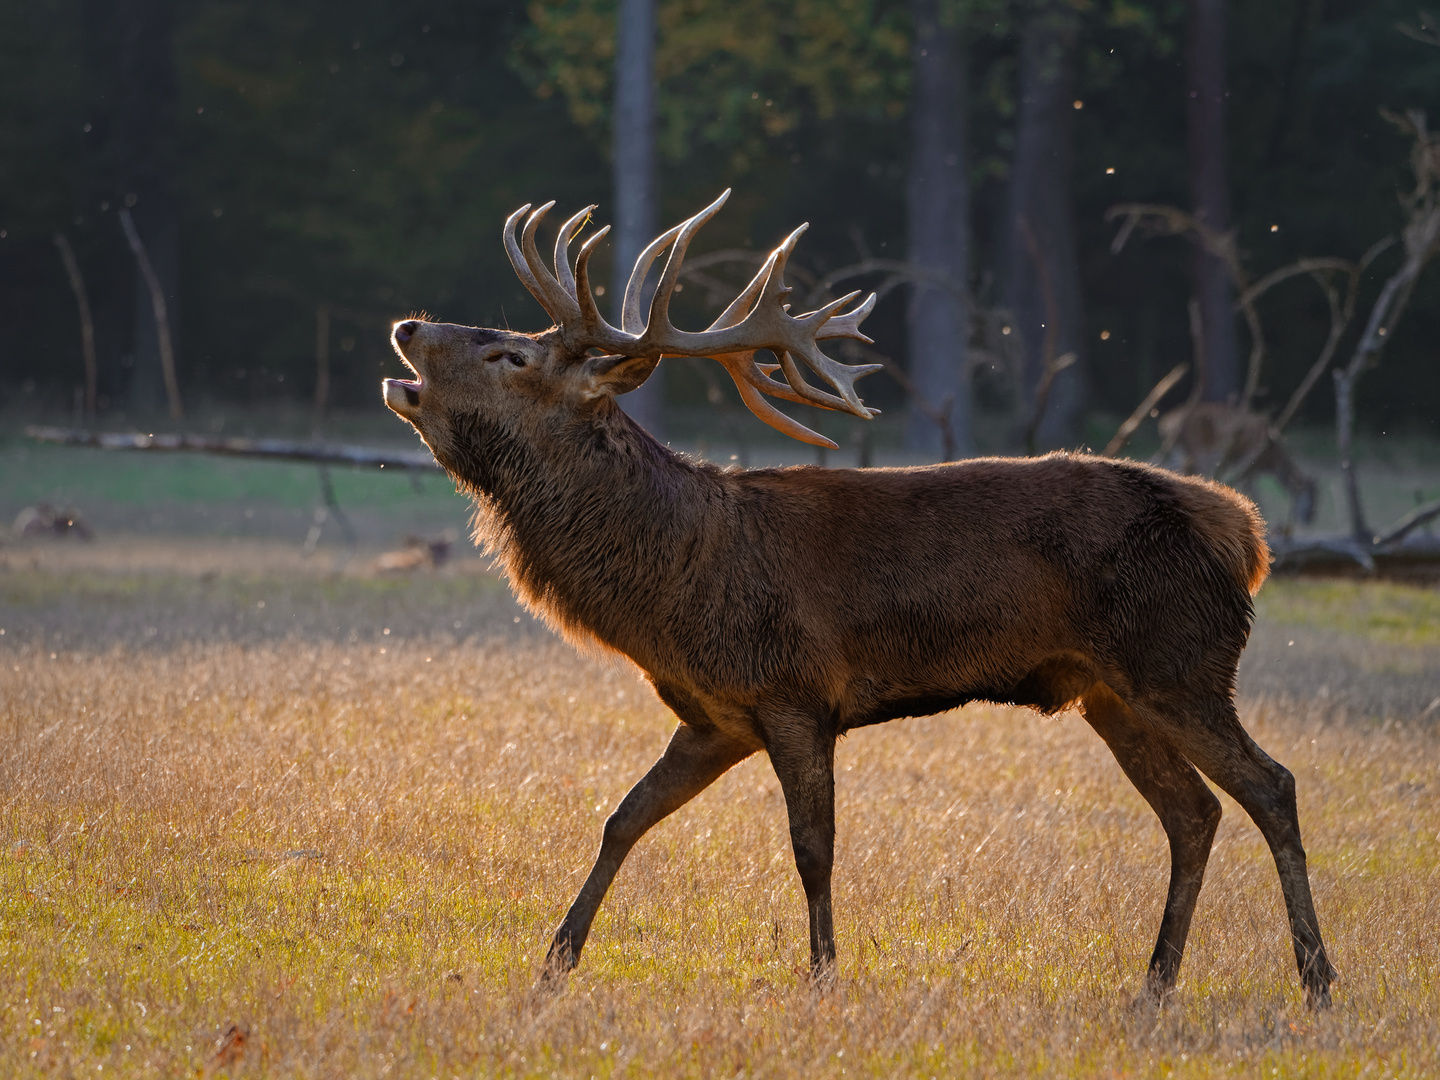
[(610, 375)]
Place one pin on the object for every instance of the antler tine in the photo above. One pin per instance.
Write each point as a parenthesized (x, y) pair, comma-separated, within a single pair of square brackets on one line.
[(561, 306), (517, 260), (848, 325), (841, 376), (630, 311), (742, 365), (812, 396), (659, 320), (757, 375), (741, 305), (562, 250), (594, 328), (630, 314), (750, 380), (782, 259)]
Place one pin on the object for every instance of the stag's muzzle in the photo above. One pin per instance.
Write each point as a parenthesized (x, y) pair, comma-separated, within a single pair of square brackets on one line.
[(403, 395)]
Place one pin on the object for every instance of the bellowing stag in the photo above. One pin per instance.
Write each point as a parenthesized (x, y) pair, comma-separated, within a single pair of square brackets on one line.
[(777, 609)]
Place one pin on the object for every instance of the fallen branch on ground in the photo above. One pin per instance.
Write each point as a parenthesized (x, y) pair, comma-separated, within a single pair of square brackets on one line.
[(275, 449)]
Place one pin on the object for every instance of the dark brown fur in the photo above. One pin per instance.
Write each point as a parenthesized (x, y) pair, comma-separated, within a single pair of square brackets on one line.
[(777, 609)]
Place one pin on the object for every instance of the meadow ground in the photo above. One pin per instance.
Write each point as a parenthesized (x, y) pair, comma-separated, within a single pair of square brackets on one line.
[(264, 820)]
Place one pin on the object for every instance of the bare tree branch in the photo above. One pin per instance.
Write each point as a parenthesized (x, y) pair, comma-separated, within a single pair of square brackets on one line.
[(87, 321), (1428, 31), (162, 317), (1197, 346), (1421, 239), (1172, 221), (1135, 419)]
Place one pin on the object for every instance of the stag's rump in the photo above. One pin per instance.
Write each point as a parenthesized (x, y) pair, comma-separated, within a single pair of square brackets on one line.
[(1017, 580)]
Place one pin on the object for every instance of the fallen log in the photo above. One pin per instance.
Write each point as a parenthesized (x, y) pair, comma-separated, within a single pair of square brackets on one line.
[(1341, 552), (275, 449)]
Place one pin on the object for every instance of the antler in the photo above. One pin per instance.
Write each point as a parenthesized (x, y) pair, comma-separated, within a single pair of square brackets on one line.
[(757, 319)]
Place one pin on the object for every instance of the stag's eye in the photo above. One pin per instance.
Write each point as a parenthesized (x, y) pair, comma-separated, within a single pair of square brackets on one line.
[(515, 359)]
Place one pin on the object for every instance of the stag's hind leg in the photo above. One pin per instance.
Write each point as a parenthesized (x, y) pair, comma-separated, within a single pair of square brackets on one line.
[(1221, 748), (695, 757), (1186, 808)]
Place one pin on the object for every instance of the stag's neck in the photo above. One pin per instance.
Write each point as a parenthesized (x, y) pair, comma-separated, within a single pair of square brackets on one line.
[(596, 525)]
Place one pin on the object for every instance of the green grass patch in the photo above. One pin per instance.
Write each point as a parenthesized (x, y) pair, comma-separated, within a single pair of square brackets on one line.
[(33, 472), (1385, 612)]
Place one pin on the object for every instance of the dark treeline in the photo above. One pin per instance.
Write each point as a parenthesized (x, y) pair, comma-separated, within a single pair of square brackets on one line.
[(301, 173)]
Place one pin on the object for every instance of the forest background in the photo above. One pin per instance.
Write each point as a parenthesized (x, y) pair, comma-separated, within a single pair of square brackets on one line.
[(302, 173)]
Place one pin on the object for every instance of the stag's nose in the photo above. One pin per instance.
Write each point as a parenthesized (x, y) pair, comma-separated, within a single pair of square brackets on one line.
[(404, 331)]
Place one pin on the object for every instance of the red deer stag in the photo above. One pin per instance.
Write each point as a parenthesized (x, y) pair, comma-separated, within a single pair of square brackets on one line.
[(777, 609)]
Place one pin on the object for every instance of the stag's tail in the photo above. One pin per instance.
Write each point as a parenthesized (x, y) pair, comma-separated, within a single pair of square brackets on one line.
[(1233, 528)]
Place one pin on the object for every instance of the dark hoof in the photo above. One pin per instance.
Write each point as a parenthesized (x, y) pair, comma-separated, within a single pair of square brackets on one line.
[(1153, 997), (559, 962), (553, 979), (823, 977), (1317, 997), (1317, 986)]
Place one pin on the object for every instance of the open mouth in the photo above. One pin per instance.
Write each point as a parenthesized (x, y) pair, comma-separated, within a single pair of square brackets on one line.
[(403, 395), (406, 389)]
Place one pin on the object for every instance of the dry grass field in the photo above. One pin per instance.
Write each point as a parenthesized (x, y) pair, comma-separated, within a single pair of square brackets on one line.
[(261, 821)]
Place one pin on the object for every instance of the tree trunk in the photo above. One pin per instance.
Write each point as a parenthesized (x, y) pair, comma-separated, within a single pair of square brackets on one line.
[(939, 196), (158, 229), (322, 368), (1344, 430), (1041, 272), (634, 179), (131, 151), (1205, 95)]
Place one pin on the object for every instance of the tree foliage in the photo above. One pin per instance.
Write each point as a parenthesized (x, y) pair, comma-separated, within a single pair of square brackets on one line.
[(731, 76), (363, 155)]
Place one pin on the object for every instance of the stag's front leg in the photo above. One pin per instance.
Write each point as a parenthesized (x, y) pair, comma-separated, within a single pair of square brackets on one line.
[(692, 761), (804, 761)]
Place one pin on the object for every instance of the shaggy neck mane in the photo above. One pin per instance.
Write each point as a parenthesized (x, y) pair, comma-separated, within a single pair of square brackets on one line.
[(570, 515)]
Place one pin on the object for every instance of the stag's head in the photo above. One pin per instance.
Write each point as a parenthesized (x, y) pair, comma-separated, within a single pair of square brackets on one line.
[(523, 384)]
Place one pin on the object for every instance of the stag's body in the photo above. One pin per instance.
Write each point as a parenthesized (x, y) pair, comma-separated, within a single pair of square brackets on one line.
[(777, 609), (872, 594)]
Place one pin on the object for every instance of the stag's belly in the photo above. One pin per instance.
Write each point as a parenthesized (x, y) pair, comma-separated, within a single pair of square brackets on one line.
[(1057, 681), (927, 658)]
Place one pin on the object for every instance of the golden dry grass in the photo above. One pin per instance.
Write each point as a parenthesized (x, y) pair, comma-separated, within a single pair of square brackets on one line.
[(354, 852)]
